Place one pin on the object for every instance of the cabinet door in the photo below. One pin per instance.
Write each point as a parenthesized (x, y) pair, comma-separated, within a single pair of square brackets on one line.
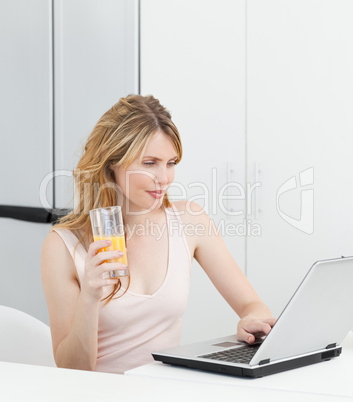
[(193, 60), (95, 64), (26, 146), (299, 131), (25, 100)]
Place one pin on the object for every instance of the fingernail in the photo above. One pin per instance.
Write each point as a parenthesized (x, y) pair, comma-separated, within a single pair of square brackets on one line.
[(120, 253), (249, 339), (108, 242)]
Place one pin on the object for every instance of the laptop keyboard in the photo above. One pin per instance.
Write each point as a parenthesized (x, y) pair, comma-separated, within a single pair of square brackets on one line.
[(235, 355)]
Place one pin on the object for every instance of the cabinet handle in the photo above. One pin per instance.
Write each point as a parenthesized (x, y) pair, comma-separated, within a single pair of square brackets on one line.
[(31, 214), (229, 178), (257, 208)]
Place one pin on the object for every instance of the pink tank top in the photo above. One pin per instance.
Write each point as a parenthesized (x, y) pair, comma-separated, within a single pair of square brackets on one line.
[(134, 325)]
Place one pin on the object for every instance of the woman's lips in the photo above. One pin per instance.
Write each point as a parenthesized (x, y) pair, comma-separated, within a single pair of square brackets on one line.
[(156, 193)]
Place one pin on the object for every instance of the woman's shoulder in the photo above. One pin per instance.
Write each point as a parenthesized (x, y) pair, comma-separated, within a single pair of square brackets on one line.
[(57, 264), (191, 213), (54, 241), (60, 239), (54, 251), (196, 222), (187, 206), (59, 235)]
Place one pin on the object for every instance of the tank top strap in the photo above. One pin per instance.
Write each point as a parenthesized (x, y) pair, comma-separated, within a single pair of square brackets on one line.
[(176, 233), (76, 249), (178, 247)]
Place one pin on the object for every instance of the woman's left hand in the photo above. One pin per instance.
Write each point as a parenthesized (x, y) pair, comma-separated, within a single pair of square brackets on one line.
[(250, 328)]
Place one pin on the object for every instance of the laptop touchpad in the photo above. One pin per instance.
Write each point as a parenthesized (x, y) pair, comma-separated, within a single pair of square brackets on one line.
[(227, 344)]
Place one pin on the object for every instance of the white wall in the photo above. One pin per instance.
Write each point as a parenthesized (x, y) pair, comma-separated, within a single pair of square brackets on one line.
[(193, 60), (263, 84), (299, 119)]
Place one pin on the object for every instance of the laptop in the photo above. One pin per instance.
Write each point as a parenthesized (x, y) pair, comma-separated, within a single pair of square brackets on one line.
[(309, 330)]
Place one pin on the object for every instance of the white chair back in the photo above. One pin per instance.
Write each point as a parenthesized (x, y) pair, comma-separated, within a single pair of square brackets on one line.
[(24, 339)]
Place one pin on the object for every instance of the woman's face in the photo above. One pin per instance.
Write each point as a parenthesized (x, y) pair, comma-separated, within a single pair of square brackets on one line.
[(146, 180)]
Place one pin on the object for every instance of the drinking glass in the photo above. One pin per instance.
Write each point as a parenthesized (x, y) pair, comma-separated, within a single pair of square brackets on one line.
[(107, 224)]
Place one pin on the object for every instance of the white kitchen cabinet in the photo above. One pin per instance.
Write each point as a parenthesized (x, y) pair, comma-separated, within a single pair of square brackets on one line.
[(299, 139), (96, 63), (193, 60), (26, 154), (25, 99), (61, 69)]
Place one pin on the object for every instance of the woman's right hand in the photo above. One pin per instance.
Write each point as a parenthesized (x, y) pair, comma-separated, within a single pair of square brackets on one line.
[(97, 271)]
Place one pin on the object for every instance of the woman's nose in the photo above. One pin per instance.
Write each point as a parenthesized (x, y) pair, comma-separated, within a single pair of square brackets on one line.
[(162, 176)]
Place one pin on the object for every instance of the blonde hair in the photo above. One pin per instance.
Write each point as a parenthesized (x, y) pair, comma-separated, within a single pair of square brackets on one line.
[(118, 138)]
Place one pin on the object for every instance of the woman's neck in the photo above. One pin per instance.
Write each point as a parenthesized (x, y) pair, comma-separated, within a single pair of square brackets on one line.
[(135, 218)]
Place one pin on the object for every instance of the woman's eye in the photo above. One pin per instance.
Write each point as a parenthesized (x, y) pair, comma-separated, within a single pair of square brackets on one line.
[(152, 163)]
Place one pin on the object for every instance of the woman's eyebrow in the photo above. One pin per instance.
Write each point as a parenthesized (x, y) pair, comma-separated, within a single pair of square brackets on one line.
[(156, 158)]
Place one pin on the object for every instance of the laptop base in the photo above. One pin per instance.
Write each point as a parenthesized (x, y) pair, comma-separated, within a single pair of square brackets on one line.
[(255, 372)]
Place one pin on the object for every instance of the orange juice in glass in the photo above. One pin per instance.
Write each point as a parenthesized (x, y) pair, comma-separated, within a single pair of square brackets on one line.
[(107, 224)]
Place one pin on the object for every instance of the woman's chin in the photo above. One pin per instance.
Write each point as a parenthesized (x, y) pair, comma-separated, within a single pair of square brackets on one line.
[(145, 208)]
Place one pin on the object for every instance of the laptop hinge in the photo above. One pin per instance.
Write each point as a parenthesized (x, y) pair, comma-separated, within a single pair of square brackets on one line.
[(331, 345), (265, 361)]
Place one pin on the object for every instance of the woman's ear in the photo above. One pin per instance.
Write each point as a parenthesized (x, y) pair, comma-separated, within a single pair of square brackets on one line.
[(113, 167)]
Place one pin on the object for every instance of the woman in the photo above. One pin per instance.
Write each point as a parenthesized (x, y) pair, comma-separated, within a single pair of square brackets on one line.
[(112, 324)]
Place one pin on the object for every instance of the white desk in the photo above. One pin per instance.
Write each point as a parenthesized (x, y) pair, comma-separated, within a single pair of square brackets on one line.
[(20, 382), (332, 378)]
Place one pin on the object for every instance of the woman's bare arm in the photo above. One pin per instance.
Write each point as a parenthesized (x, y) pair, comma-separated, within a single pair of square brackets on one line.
[(214, 257), (73, 308)]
